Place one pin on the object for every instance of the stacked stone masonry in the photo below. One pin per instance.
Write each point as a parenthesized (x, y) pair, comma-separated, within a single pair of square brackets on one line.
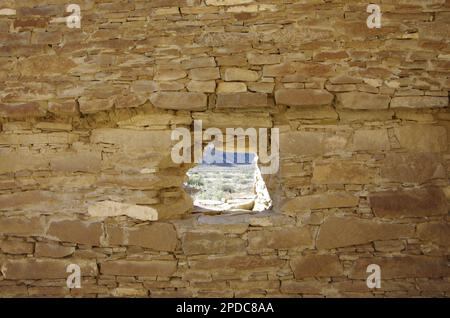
[(86, 116)]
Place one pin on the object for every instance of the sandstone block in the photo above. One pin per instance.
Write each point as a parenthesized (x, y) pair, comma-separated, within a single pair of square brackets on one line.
[(348, 231), (422, 138), (83, 161), (32, 109), (76, 231), (320, 201), (412, 167), (316, 266), (133, 139), (241, 100), (240, 75), (307, 143), (361, 100), (52, 250), (45, 268), (179, 100), (231, 87), (227, 2), (201, 86), (138, 268), (63, 107), (342, 173), (21, 226), (371, 140), (248, 262), (169, 75), (204, 74), (110, 209), (438, 233), (262, 59), (419, 102), (284, 238), (92, 105), (156, 236), (16, 247), (409, 203), (303, 97), (210, 243), (403, 267), (199, 62)]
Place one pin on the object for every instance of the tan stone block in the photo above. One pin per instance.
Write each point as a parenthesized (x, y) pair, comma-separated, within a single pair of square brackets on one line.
[(45, 268), (15, 161), (303, 97), (210, 243), (348, 231), (231, 87), (248, 262), (138, 268), (38, 138), (63, 107), (228, 120), (261, 59), (438, 233), (29, 200), (76, 231), (49, 126), (156, 236), (205, 61), (169, 75), (227, 2), (133, 139), (402, 267), (320, 201), (322, 113), (83, 161), (22, 226), (371, 140), (204, 73), (412, 167), (361, 100), (201, 86), (52, 250), (241, 100), (409, 203), (23, 110), (260, 87), (179, 100), (16, 247), (46, 65), (316, 266), (92, 105), (283, 238), (364, 116), (341, 172), (108, 208), (422, 138), (419, 102), (301, 287), (240, 74), (306, 143)]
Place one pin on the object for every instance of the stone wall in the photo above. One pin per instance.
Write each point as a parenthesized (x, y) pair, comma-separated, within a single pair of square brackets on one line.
[(85, 167)]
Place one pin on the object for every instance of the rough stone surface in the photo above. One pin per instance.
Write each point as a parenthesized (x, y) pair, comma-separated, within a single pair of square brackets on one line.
[(320, 201), (347, 231), (317, 266), (87, 116), (303, 97), (110, 208), (182, 101), (361, 100), (409, 203)]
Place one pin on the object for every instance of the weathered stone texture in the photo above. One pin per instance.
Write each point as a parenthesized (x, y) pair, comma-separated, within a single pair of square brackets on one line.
[(409, 203), (87, 175), (347, 231)]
